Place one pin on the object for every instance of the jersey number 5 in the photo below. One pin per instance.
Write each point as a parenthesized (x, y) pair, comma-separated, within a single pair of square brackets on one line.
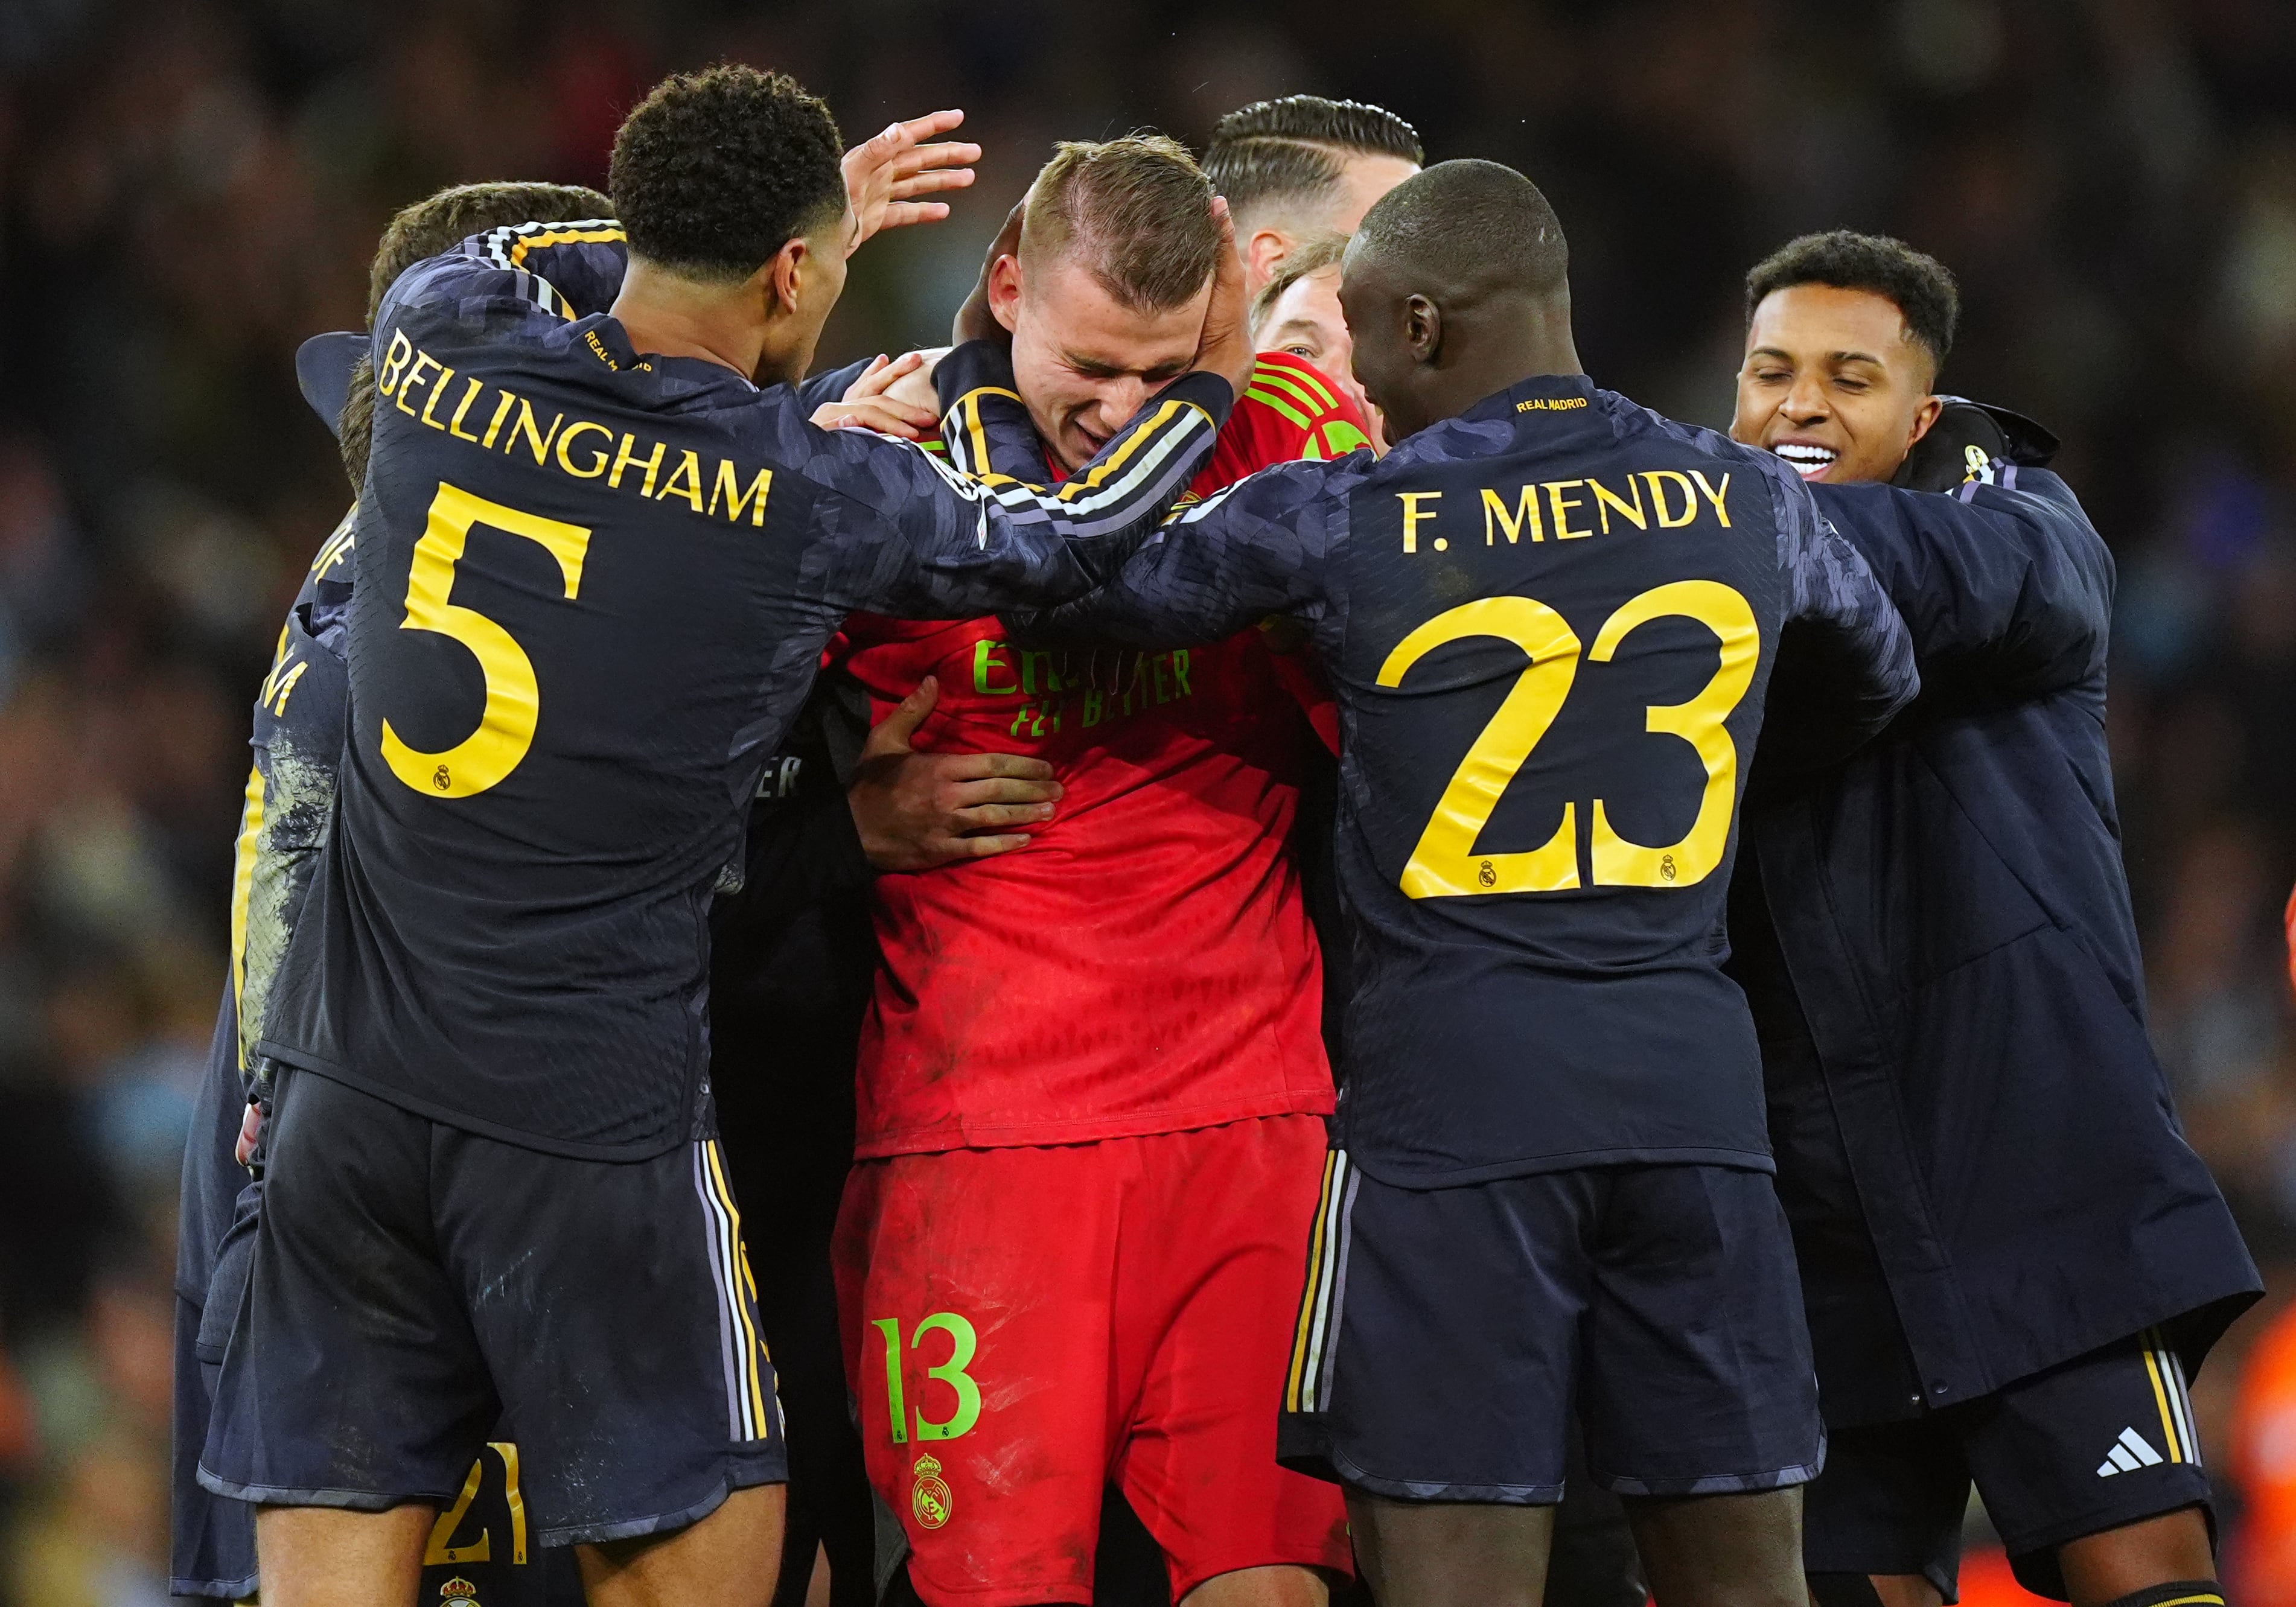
[(513, 703), (1445, 863)]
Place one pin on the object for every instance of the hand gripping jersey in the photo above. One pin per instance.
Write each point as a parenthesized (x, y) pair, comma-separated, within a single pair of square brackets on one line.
[(1550, 623), (594, 587), (1145, 964)]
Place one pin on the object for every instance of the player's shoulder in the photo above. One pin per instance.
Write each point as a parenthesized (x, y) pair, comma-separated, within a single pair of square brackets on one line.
[(1290, 410), (1633, 422)]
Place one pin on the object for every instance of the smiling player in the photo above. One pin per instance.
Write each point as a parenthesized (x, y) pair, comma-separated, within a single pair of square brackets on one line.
[(1936, 941)]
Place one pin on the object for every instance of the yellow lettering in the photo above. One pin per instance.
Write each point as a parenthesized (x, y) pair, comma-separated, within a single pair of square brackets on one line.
[(984, 655), (1180, 672), (1560, 504), (689, 470), (455, 424), (624, 457), (1162, 664), (1606, 500), (736, 499), (436, 386), (1717, 495), (495, 424), (1412, 518), (414, 378), (1495, 517), (1666, 521), (394, 361), (1030, 662), (598, 457), (525, 426), (1093, 713)]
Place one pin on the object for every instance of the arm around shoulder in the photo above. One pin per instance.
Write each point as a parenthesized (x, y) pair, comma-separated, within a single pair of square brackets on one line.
[(2007, 588)]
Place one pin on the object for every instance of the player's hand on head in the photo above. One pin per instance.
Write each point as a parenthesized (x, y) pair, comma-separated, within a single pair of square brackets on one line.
[(886, 398), (1226, 347), (974, 321), (918, 810), (889, 174)]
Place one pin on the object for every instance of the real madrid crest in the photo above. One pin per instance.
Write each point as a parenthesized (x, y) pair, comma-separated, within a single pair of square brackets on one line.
[(459, 1592), (929, 1499)]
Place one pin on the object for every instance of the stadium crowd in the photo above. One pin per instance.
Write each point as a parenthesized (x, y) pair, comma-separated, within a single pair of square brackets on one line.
[(186, 191)]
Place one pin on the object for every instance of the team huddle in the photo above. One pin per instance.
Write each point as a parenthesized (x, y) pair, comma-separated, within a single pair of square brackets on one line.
[(1308, 925)]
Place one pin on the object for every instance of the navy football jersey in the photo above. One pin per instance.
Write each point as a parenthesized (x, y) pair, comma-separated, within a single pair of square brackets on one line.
[(1550, 624), (593, 587)]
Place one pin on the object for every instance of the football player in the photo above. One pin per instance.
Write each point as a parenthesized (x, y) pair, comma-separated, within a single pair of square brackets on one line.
[(1550, 617), (2013, 1260), (298, 733), (1092, 1081), (1297, 312), (1300, 167), (492, 1185), (297, 737)]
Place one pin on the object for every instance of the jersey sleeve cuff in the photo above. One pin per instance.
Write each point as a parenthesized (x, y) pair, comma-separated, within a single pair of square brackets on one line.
[(1210, 391)]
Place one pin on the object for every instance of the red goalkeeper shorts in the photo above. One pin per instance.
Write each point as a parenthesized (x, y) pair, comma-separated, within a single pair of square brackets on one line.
[(1026, 1325)]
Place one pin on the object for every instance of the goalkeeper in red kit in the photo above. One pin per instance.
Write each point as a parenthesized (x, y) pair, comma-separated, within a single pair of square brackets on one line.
[(1093, 1080)]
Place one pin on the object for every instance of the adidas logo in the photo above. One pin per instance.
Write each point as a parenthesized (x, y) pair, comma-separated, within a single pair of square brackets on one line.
[(2128, 1452)]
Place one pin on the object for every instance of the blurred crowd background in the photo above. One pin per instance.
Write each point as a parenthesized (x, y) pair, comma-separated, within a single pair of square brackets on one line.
[(190, 187)]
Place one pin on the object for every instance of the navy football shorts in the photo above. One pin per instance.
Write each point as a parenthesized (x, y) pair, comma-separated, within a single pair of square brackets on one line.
[(415, 1286), (2092, 1444), (1447, 1333)]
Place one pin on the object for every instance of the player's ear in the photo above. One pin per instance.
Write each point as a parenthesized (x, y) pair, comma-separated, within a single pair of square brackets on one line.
[(1923, 417), (1264, 252), (776, 283), (1004, 290), (1423, 329)]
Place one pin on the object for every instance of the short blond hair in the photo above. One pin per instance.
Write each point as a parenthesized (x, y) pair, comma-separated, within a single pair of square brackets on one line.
[(1137, 209), (1324, 250)]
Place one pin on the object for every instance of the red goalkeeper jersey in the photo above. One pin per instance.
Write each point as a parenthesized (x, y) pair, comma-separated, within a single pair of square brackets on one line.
[(1145, 964)]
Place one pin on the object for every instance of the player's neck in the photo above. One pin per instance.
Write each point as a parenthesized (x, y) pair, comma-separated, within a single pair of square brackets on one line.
[(1504, 345), (665, 314)]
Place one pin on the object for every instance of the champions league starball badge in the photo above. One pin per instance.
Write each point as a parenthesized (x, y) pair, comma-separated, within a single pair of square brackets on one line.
[(929, 1499)]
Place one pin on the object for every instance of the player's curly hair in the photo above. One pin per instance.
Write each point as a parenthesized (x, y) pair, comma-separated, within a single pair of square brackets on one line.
[(420, 232), (714, 172), (1137, 209), (1273, 154), (1921, 287)]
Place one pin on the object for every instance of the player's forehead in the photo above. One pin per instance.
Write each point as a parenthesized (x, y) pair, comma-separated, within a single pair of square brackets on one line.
[(1310, 303), (1820, 322), (1076, 315)]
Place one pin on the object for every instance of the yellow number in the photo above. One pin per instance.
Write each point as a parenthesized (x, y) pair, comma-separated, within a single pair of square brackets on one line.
[(438, 1554), (512, 1497), (1445, 863), (1618, 863), (506, 725)]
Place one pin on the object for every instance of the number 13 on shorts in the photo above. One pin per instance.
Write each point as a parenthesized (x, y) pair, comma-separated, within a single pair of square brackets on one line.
[(962, 1346)]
